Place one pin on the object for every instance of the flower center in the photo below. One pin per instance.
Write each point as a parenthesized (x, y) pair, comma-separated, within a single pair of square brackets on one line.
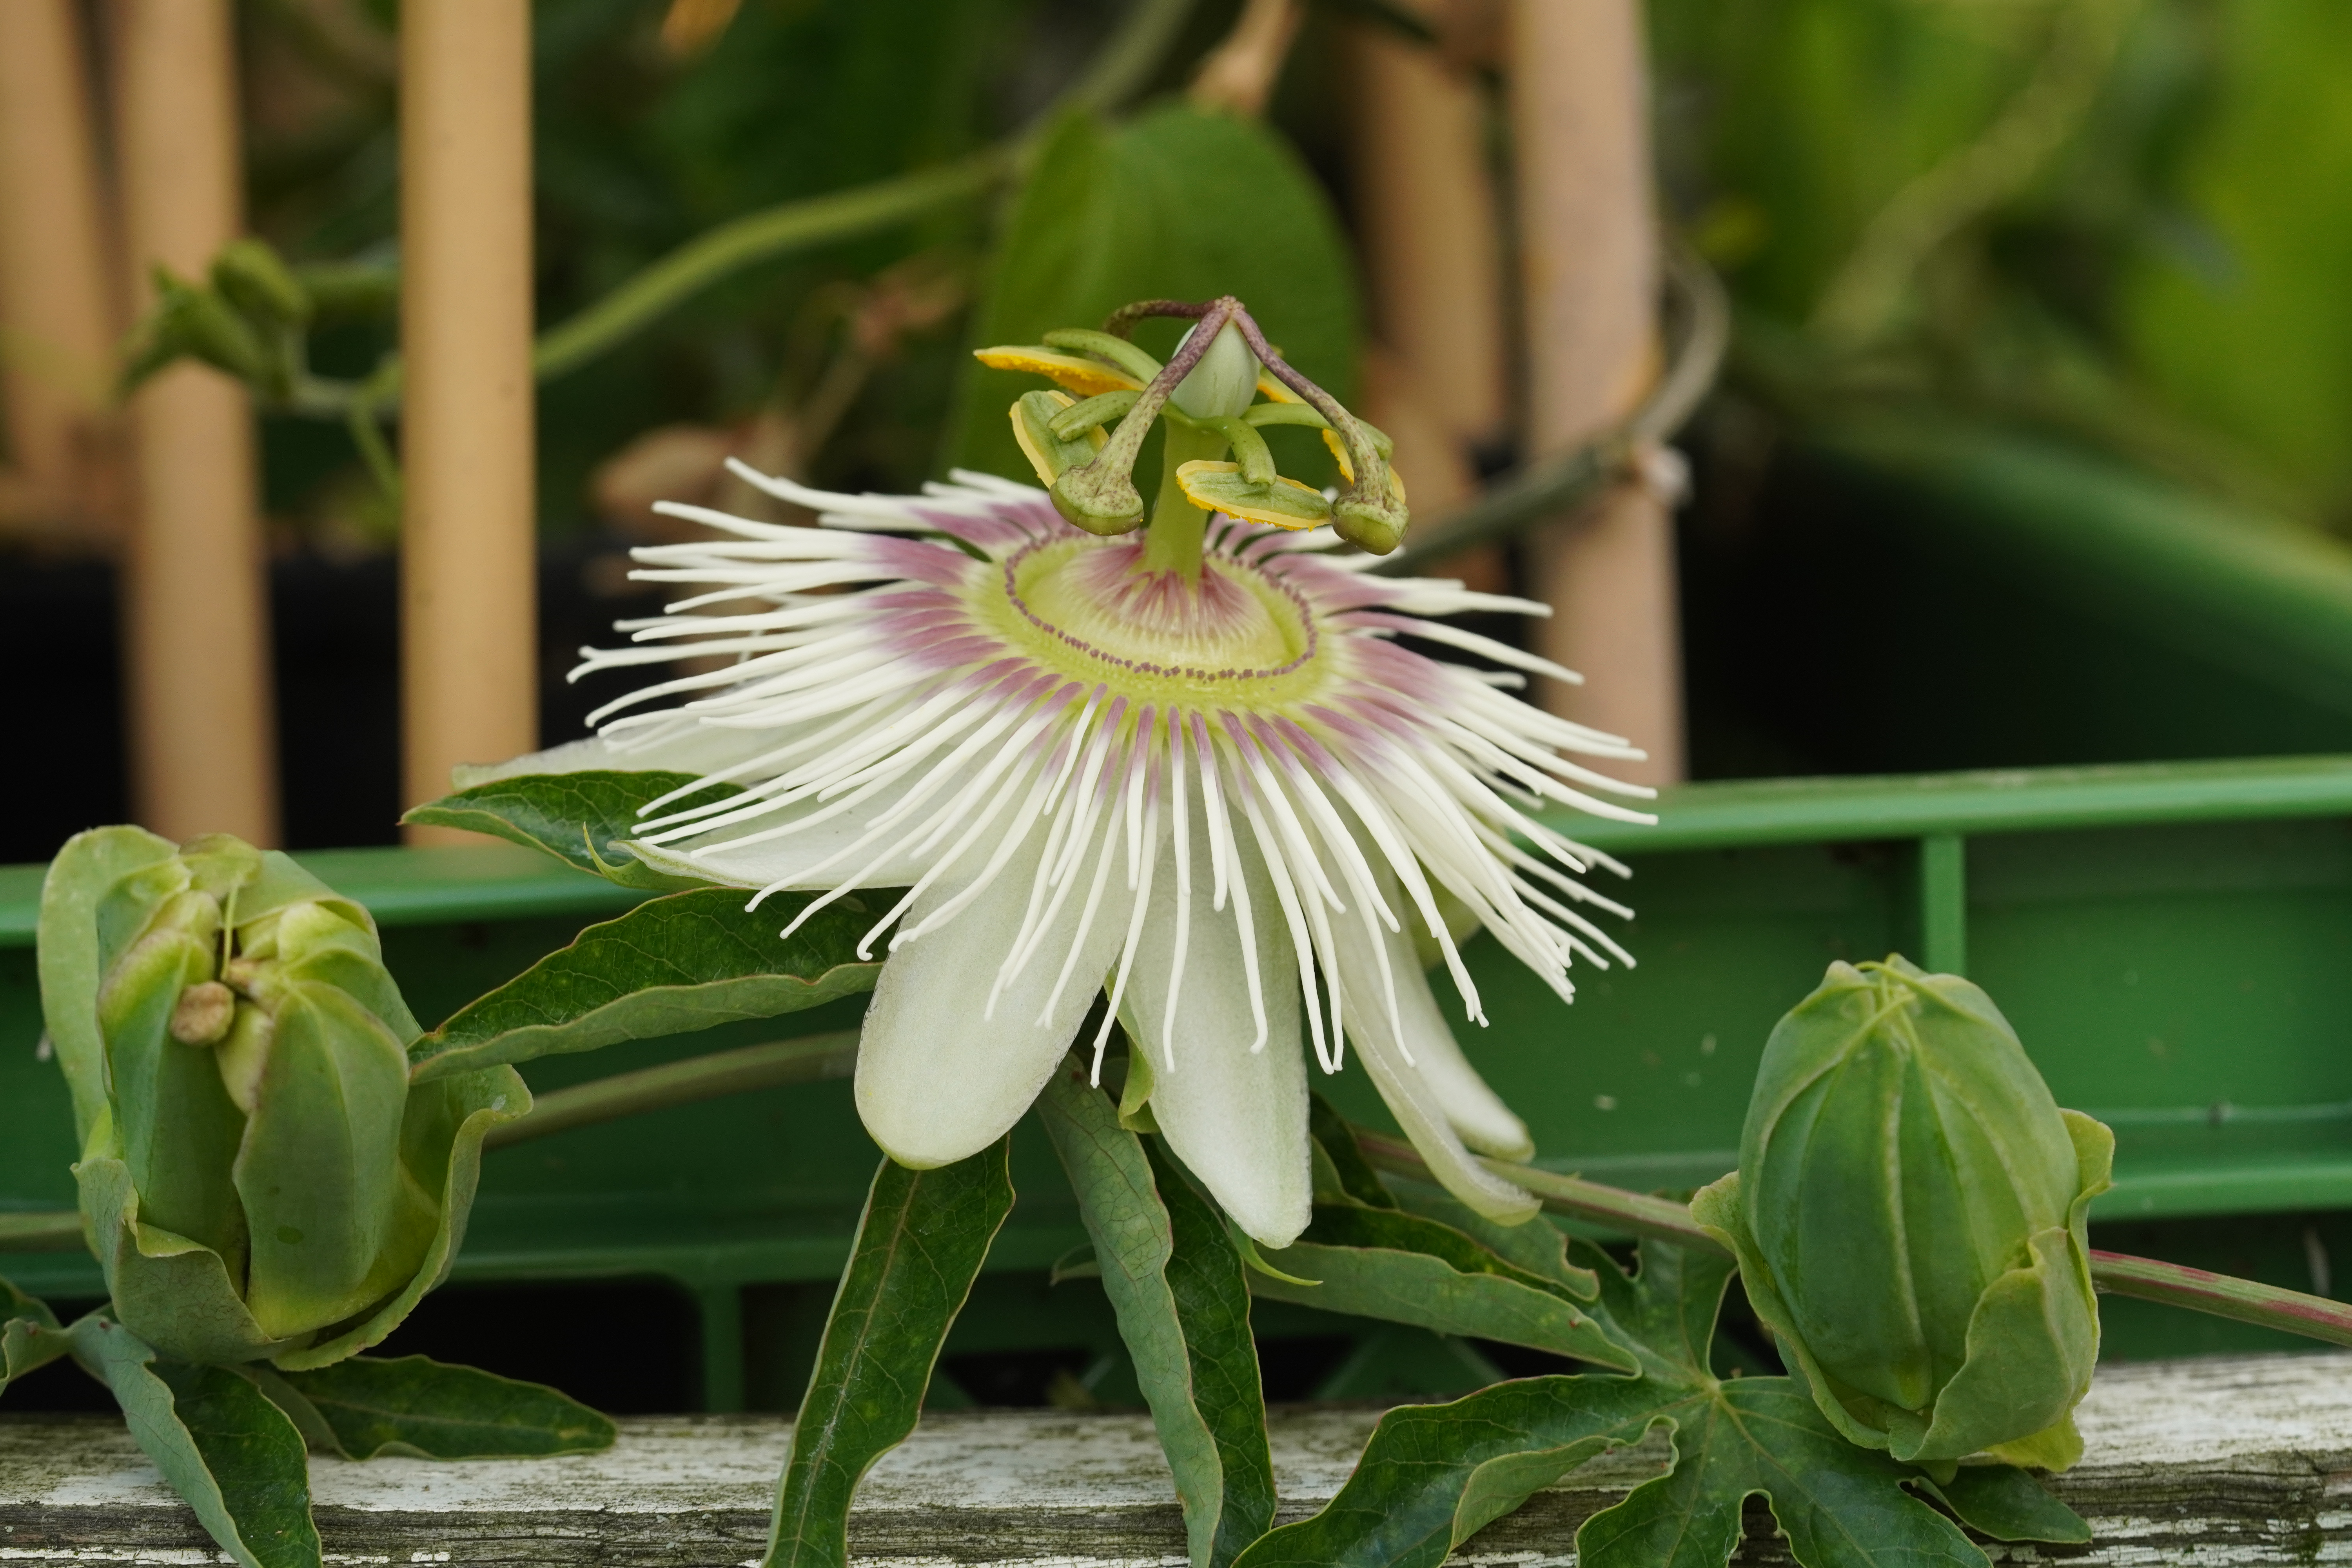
[(1082, 604)]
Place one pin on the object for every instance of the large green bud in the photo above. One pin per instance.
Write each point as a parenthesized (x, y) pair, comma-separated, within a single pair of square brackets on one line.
[(258, 1178), (1909, 1218)]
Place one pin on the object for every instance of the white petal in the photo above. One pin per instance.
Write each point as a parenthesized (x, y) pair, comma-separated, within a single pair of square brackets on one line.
[(573, 757), (936, 1079), (821, 856), (1237, 1116), (1476, 1112), (1412, 1096)]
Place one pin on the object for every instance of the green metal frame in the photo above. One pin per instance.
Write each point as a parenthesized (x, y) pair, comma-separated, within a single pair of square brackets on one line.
[(2174, 943)]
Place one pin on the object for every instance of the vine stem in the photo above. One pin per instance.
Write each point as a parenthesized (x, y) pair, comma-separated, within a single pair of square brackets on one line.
[(2113, 1273), (833, 1056), (1123, 68)]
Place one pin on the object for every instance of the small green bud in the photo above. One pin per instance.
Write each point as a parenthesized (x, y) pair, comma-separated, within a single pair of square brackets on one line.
[(249, 274), (1224, 381), (1910, 1218)]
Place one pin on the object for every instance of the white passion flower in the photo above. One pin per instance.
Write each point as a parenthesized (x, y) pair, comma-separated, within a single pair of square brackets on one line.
[(1228, 798)]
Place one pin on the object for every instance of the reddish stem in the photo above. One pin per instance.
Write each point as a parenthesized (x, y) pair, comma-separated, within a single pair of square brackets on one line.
[(2114, 1273)]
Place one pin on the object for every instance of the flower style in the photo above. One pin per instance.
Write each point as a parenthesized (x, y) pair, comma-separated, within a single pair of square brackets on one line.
[(1226, 797)]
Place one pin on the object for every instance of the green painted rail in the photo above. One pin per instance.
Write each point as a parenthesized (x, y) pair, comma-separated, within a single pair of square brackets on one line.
[(2173, 942)]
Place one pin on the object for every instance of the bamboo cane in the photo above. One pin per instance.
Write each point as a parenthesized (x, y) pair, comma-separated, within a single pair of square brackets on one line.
[(468, 590), (197, 611), (1589, 264), (57, 321), (1427, 214)]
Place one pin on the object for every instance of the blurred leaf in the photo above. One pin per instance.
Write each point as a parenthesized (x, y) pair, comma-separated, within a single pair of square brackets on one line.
[(686, 961), (231, 1454), (412, 1404), (921, 1244), (2235, 303), (1786, 85), (580, 818), (1176, 204), (1176, 1285)]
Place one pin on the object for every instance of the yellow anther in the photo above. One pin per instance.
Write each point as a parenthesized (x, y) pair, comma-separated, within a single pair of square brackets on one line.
[(1082, 375)]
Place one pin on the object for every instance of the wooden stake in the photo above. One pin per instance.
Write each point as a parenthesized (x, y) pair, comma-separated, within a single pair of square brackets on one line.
[(1426, 210), (57, 320), (1579, 107), (468, 588), (196, 600)]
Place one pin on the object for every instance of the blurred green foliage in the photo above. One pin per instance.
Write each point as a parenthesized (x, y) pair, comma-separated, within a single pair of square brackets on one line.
[(640, 144), (2113, 218)]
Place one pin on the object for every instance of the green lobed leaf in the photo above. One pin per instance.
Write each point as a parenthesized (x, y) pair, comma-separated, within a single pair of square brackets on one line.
[(1406, 1268), (1177, 203), (412, 1404), (921, 1244), (232, 1455), (580, 818), (29, 1336), (688, 960), (1433, 1475), (1840, 1506), (1177, 1286)]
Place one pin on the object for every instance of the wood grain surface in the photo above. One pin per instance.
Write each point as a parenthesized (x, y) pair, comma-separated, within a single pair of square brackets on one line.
[(2230, 1460)]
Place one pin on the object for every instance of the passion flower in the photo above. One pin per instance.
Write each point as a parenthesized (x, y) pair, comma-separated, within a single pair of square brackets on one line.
[(1192, 768)]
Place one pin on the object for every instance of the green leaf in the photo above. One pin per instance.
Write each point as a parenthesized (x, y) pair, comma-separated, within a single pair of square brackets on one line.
[(29, 1336), (1840, 1506), (580, 818), (231, 1454), (412, 1404), (1385, 1263), (688, 960), (1175, 204), (1433, 1475), (920, 1243), (1177, 1286), (2006, 1503), (1357, 1178), (1540, 1247)]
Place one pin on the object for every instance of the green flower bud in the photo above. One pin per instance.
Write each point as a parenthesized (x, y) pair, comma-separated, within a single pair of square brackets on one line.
[(258, 1178), (1909, 1216)]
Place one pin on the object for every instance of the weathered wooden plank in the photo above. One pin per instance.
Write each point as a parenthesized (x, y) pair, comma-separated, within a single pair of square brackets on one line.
[(2232, 1460)]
